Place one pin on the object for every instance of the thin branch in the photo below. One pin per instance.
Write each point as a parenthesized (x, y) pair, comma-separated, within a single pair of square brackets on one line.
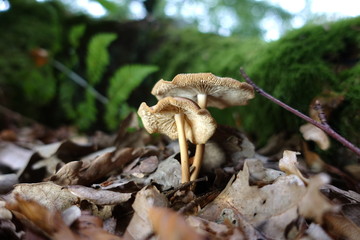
[(80, 81), (319, 109), (326, 128)]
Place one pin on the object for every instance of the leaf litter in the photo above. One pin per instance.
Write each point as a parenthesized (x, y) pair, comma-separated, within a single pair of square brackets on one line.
[(128, 186)]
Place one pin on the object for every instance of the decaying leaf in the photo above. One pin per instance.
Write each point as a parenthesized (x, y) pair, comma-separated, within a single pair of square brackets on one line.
[(312, 133), (272, 207), (340, 227), (260, 174), (87, 172), (46, 158), (99, 196), (35, 216), (47, 194), (226, 230), (91, 227), (4, 213), (288, 163), (7, 182), (50, 223), (256, 204), (167, 174), (13, 156), (139, 226), (313, 204), (169, 225)]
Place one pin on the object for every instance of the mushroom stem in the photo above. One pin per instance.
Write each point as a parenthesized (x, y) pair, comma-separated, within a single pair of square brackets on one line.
[(202, 100), (200, 148), (185, 175), (199, 153)]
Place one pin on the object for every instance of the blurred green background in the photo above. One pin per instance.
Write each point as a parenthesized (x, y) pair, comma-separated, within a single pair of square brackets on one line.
[(62, 65)]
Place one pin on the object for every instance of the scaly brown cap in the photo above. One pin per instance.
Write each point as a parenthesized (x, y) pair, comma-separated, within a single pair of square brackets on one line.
[(221, 91), (199, 124)]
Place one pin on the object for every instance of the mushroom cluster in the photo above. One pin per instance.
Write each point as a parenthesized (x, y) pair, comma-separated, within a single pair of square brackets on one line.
[(181, 111)]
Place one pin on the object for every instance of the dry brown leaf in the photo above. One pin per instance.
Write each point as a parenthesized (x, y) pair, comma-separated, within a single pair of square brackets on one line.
[(167, 174), (340, 227), (312, 133), (260, 174), (274, 206), (50, 222), (256, 204), (44, 161), (37, 217), (313, 204), (99, 196), (169, 225), (226, 230), (352, 212), (288, 163), (139, 226), (91, 227), (47, 194), (87, 172)]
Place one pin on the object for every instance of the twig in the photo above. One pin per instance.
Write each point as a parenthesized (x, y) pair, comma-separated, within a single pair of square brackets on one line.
[(319, 109), (326, 128), (80, 81)]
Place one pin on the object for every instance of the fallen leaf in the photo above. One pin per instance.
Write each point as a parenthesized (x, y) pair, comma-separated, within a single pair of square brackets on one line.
[(99, 196), (167, 174), (47, 194), (313, 204), (50, 222), (13, 156), (256, 204), (340, 227), (312, 133), (139, 226), (7, 182), (288, 163), (169, 225), (38, 217), (88, 172), (91, 227), (214, 230)]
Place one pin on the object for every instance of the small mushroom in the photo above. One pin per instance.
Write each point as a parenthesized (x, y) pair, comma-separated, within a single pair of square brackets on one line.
[(207, 90), (179, 118)]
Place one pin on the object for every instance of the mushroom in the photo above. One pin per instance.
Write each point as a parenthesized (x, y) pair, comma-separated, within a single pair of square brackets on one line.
[(207, 90), (179, 118)]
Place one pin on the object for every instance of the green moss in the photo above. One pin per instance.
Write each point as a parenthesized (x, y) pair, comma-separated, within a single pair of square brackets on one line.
[(300, 66)]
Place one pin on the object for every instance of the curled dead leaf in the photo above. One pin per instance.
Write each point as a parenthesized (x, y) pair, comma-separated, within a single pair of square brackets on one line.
[(288, 163), (139, 226), (312, 133), (170, 225)]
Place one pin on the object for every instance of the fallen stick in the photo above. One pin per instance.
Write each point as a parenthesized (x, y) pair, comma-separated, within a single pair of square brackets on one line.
[(325, 127)]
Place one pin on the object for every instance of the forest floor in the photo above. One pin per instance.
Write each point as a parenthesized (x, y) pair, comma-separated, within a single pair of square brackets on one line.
[(56, 184)]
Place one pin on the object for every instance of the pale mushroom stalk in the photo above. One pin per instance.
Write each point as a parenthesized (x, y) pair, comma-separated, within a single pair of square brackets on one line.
[(179, 120), (200, 148), (202, 100)]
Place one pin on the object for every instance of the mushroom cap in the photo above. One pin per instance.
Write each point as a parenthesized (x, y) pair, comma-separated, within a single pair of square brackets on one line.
[(221, 91), (199, 125)]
